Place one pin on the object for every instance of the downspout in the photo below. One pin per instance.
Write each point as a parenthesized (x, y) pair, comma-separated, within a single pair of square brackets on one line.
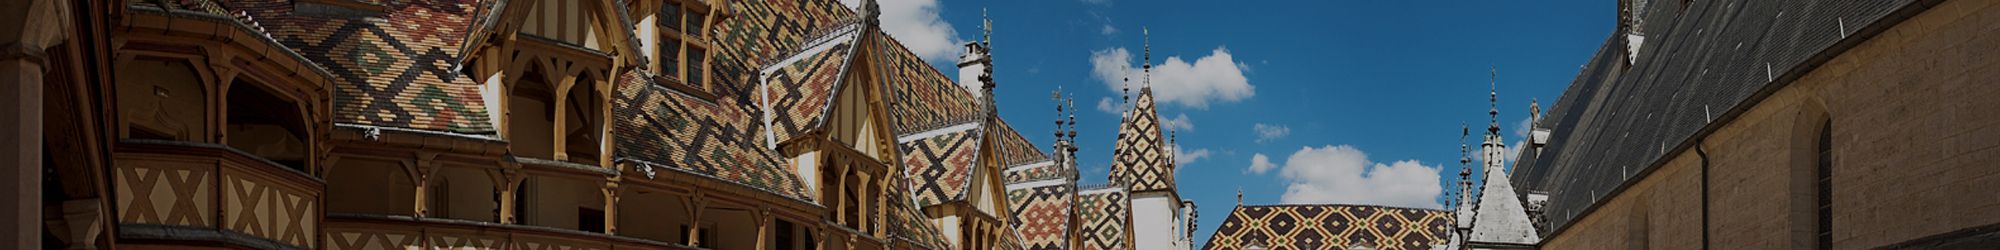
[(1699, 151)]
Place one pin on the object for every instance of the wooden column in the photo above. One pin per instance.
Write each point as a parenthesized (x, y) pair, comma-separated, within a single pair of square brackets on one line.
[(611, 189), (562, 117), (696, 203), (421, 172), (511, 178)]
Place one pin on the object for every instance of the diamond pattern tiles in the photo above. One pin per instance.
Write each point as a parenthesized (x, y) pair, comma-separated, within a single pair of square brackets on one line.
[(940, 167), (1042, 215), (1141, 159), (1331, 227), (801, 90), (924, 98), (393, 70), (1104, 215), (679, 132)]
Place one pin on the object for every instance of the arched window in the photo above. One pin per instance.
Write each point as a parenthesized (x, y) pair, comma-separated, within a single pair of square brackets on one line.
[(1823, 182)]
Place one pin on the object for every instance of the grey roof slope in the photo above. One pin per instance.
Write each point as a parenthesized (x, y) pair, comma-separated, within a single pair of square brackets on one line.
[(1699, 62)]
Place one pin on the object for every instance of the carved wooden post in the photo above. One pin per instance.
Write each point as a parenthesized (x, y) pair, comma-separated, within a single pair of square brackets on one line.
[(611, 189)]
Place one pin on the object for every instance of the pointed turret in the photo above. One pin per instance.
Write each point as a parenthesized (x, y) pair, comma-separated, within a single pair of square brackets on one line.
[(1498, 219)]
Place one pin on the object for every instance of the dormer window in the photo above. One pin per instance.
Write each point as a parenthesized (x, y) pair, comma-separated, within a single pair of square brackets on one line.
[(684, 45)]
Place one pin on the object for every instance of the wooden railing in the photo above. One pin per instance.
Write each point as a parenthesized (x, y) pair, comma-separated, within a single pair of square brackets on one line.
[(359, 231), (167, 189)]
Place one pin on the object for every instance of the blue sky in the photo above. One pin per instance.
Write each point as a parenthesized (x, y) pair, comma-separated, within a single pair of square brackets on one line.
[(1388, 80)]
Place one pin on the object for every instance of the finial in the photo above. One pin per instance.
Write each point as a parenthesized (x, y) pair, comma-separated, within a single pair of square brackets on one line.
[(1493, 99), (988, 28), (1147, 35), (1072, 121), (1056, 96), (871, 11)]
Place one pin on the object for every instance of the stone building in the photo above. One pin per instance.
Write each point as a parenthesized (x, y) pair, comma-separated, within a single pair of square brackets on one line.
[(1777, 125), (495, 124)]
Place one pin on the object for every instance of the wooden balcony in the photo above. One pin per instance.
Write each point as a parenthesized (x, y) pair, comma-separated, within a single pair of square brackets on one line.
[(354, 231), (196, 193)]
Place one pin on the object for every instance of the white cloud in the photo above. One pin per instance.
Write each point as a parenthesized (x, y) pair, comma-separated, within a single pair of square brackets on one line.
[(1267, 132), (918, 26), (1344, 175), (1182, 157), (1109, 106), (1260, 164), (1109, 30), (1213, 78), (1178, 123)]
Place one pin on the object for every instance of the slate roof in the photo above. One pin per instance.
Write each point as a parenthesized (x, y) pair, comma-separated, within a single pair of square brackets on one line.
[(1104, 215), (1699, 61), (1042, 214), (1141, 159), (393, 68), (1331, 227)]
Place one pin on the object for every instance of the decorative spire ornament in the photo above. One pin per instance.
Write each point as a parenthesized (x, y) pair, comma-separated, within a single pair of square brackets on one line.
[(1493, 100), (1148, 44)]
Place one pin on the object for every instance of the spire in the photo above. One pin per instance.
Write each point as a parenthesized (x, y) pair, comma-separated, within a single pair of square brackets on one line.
[(1058, 145), (1239, 196), (1148, 36), (871, 11), (1493, 100)]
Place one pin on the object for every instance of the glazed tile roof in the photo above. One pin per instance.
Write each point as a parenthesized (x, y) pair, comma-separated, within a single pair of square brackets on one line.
[(661, 127), (1045, 170), (1016, 150), (1042, 215), (1141, 159), (762, 32), (801, 87), (910, 225), (1104, 215), (1331, 227), (394, 69), (940, 167), (925, 99)]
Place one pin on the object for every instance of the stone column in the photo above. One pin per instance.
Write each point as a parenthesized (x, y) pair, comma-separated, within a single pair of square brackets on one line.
[(27, 30)]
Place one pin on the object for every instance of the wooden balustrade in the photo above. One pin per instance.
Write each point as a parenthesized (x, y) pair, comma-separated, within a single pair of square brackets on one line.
[(183, 191), (358, 231)]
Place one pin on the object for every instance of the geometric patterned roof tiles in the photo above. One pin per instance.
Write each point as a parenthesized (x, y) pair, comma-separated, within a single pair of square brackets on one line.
[(940, 167), (393, 69), (1330, 227), (659, 126), (1104, 214), (1141, 159), (924, 98), (1042, 215), (801, 90)]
